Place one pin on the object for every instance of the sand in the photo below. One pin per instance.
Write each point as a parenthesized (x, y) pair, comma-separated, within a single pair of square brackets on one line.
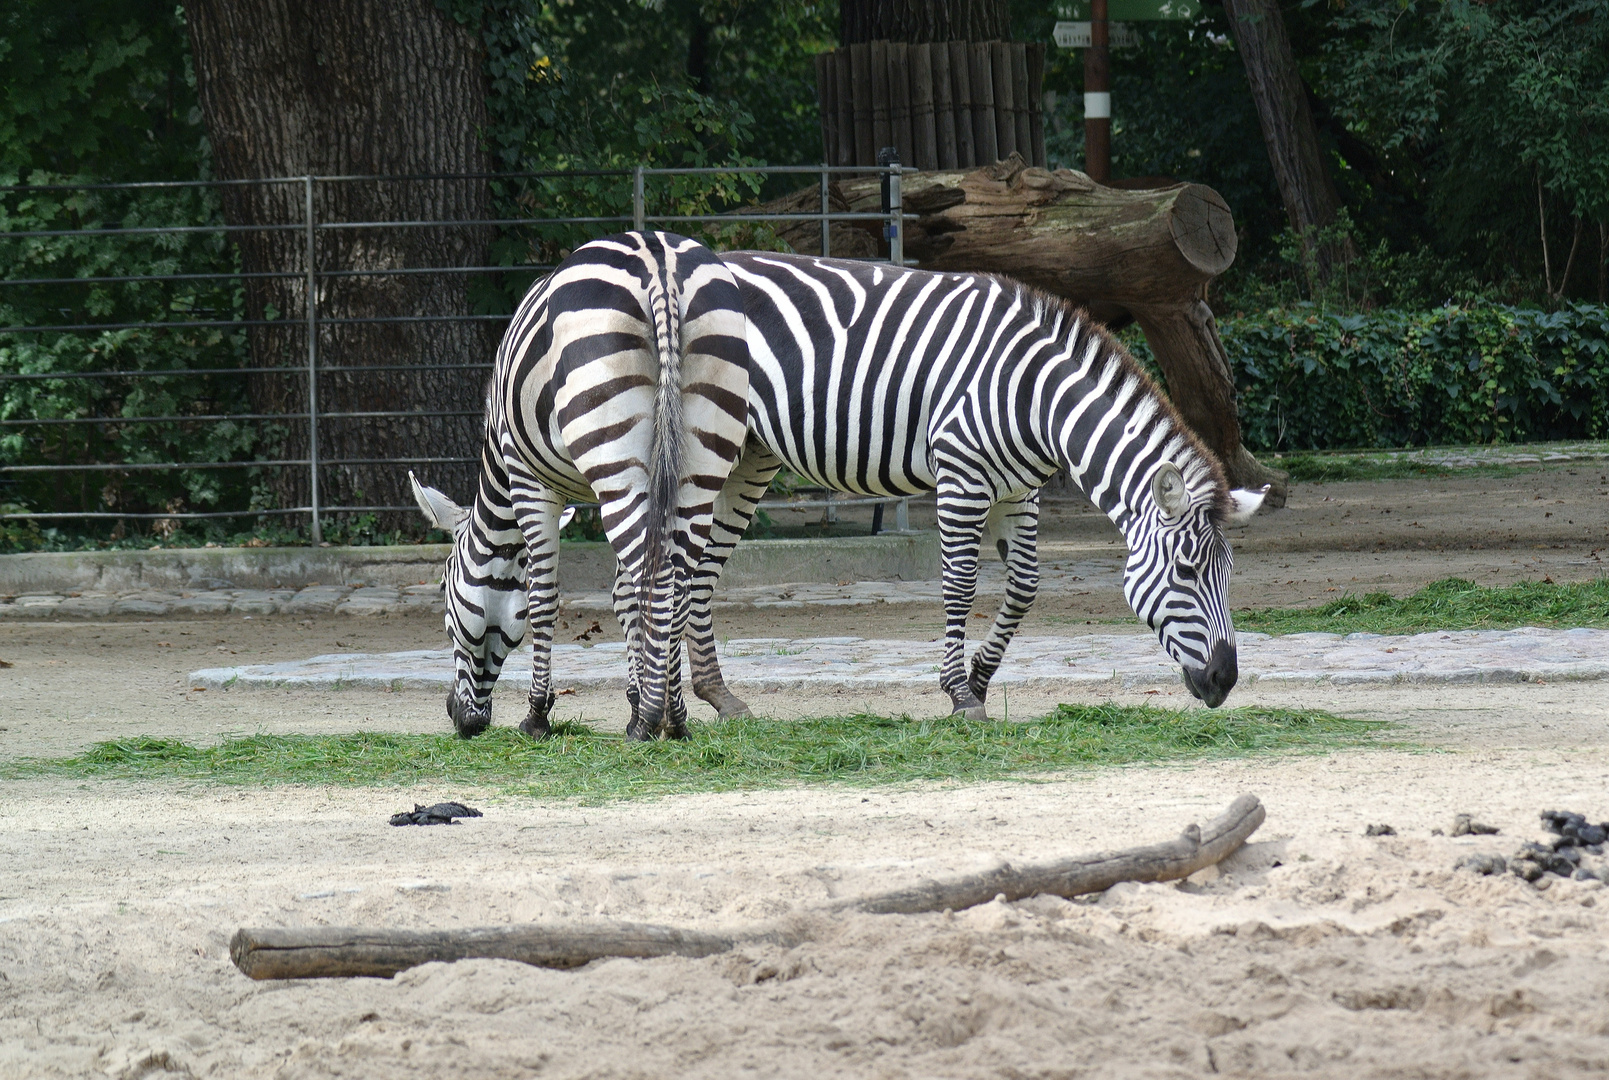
[(1315, 951)]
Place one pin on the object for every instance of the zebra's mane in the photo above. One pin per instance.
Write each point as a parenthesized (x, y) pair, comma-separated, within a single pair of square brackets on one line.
[(1046, 307)]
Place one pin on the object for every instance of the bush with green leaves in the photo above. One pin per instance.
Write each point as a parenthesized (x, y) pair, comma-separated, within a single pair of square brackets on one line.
[(1309, 379)]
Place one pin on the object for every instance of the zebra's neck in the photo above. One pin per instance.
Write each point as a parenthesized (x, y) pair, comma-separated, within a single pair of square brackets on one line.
[(1109, 425)]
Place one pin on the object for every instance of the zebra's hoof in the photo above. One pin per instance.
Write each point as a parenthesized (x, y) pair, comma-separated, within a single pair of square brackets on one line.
[(637, 731), (468, 720), (468, 729), (537, 727), (972, 712)]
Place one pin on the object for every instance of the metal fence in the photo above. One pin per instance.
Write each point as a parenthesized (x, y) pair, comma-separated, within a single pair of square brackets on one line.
[(20, 428)]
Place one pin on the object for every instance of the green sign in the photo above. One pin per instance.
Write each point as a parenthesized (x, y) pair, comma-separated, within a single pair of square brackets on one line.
[(1132, 10)]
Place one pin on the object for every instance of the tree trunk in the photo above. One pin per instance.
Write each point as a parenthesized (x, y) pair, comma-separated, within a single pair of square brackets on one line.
[(1311, 201), (923, 20), (290, 88), (1142, 256)]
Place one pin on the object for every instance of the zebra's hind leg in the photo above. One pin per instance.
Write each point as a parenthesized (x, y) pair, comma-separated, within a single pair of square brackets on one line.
[(1014, 524), (625, 605), (961, 518), (537, 512), (734, 509)]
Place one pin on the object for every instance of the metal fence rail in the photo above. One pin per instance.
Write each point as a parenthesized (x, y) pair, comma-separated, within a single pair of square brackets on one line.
[(76, 319)]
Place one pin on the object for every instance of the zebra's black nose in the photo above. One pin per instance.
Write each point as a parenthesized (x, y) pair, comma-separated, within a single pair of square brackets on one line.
[(1212, 683)]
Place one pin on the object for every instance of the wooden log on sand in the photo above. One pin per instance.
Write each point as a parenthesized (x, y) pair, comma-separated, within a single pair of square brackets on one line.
[(322, 952)]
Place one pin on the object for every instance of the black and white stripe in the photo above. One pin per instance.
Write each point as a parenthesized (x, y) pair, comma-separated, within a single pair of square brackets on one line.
[(885, 381), (622, 379)]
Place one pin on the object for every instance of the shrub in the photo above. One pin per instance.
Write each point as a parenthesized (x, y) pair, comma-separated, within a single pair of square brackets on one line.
[(1310, 380)]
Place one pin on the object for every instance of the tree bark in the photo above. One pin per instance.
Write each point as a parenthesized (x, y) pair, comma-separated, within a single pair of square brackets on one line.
[(1143, 256), (923, 20), (291, 88), (1311, 201), (325, 951)]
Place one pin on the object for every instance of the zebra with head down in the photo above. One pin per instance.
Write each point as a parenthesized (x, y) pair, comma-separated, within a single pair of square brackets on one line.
[(878, 380), (622, 379)]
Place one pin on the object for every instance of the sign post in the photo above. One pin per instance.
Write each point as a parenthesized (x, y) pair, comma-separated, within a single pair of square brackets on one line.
[(1098, 60), (1098, 97)]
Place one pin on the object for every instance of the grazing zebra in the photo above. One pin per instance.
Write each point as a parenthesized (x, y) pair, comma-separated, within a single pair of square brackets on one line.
[(884, 381), (623, 378)]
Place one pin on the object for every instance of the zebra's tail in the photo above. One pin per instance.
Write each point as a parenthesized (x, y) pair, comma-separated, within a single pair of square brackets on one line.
[(665, 462)]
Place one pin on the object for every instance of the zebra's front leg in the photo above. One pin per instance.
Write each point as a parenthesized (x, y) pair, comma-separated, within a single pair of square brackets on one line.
[(537, 512), (1015, 528), (734, 509), (961, 519)]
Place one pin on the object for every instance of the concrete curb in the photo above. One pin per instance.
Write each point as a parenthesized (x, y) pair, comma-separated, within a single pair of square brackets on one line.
[(808, 665), (582, 566)]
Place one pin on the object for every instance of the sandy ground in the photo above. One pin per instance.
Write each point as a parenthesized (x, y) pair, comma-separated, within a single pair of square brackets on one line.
[(1317, 951)]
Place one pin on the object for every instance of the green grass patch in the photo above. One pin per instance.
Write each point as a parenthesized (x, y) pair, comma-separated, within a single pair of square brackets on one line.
[(1449, 604), (726, 755), (1334, 468)]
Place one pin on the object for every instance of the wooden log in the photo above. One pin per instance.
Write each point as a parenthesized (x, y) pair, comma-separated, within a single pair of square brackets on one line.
[(1195, 848), (1142, 255), (899, 96), (882, 102), (924, 127), (843, 76), (320, 952), (1005, 125), (860, 59), (1036, 103), (943, 106), (966, 146), (1019, 101), (323, 951), (827, 95), (985, 144)]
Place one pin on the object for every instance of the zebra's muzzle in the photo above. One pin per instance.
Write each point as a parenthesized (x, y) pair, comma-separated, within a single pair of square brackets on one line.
[(1212, 683), (468, 718)]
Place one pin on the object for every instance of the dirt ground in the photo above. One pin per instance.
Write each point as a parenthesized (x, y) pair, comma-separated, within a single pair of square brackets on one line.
[(1317, 951)]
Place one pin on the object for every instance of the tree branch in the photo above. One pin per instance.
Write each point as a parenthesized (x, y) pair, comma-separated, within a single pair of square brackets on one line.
[(322, 952)]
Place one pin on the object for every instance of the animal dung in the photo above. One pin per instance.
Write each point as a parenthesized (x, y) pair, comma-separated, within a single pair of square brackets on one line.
[(1379, 830), (1466, 825), (1576, 851), (441, 813)]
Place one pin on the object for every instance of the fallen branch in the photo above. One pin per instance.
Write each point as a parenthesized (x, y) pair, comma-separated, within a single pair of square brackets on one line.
[(322, 952)]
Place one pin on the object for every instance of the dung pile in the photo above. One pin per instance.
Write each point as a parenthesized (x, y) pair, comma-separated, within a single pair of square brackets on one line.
[(1576, 851)]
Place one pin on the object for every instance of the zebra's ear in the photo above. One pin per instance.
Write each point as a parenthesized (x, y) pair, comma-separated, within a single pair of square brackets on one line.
[(1243, 503), (565, 515), (438, 509), (1167, 488)]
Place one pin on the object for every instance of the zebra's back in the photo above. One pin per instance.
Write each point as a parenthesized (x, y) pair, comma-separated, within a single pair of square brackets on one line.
[(856, 366)]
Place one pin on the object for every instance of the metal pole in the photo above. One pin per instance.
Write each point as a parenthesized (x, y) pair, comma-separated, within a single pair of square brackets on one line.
[(896, 220), (1097, 96), (312, 362), (826, 226), (902, 516), (639, 201)]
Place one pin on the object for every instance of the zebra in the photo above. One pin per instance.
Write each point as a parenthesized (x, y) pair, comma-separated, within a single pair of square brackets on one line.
[(879, 380), (622, 378)]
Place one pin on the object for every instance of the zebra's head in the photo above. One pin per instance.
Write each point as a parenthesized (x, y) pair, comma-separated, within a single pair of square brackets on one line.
[(484, 587), (1177, 578)]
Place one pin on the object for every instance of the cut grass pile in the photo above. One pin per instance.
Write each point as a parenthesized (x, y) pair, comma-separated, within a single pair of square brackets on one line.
[(726, 755), (1449, 604)]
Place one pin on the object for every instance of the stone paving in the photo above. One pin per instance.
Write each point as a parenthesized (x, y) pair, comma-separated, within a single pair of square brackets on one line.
[(1114, 660)]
